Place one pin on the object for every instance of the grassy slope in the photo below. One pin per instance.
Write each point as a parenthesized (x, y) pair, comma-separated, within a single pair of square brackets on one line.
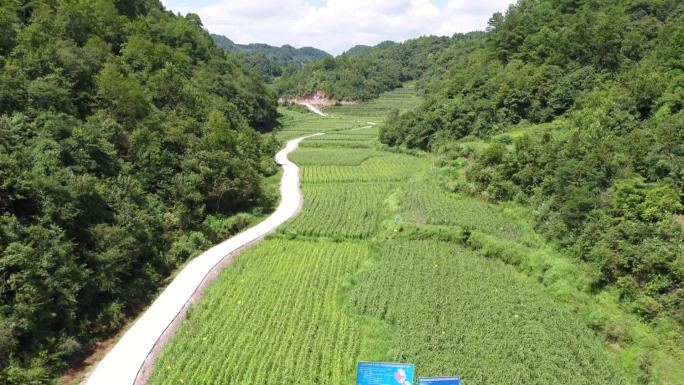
[(345, 282)]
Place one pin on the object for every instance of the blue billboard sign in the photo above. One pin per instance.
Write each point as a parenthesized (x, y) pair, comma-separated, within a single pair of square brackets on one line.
[(440, 381), (381, 373)]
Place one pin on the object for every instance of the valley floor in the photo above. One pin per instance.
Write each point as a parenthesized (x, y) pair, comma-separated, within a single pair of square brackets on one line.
[(383, 264)]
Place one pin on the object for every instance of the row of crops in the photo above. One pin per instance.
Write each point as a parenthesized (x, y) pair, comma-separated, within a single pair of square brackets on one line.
[(333, 156), (392, 167), (401, 99), (271, 318), (426, 203), (345, 281), (357, 140), (340, 210)]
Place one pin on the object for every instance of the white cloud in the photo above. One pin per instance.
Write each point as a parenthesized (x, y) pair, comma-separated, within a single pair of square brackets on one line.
[(339, 24)]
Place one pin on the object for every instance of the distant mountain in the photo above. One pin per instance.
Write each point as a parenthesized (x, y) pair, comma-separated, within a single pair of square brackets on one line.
[(268, 60)]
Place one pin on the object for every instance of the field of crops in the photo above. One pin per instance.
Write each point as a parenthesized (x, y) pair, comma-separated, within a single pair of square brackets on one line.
[(272, 318), (349, 125), (392, 167), (345, 282), (295, 121), (347, 210), (332, 156), (401, 99), (426, 203), (341, 130), (454, 311), (346, 139)]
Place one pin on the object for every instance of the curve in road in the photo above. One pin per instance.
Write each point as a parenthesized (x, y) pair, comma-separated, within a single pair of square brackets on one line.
[(123, 363)]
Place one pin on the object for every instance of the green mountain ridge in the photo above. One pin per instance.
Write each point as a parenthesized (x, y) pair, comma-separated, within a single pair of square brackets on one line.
[(268, 60), (285, 52)]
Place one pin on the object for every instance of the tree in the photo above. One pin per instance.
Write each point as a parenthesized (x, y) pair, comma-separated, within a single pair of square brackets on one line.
[(122, 95)]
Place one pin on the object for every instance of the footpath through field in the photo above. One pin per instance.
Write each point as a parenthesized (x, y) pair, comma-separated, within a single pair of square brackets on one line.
[(121, 366)]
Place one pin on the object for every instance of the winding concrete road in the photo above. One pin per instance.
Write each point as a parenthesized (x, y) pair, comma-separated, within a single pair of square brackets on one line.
[(124, 362)]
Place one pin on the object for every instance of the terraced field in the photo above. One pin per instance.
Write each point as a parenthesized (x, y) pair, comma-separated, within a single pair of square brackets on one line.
[(391, 167), (353, 140), (454, 309), (331, 156), (272, 318), (350, 279), (426, 203), (355, 212), (402, 99)]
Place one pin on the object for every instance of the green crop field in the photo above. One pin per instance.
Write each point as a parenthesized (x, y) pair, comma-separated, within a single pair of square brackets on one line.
[(308, 156), (456, 311), (354, 212), (272, 318), (426, 203), (378, 267), (402, 99), (386, 168)]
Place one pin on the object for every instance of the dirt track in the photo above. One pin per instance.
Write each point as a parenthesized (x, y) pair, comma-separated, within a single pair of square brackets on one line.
[(313, 109)]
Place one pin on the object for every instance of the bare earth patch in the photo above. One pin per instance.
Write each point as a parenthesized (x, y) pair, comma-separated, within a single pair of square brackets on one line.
[(317, 98)]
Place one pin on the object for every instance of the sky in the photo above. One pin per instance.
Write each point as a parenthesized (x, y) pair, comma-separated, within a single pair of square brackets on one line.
[(337, 25)]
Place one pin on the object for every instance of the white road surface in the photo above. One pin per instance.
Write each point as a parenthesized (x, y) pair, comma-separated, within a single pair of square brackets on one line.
[(313, 109), (121, 365), (360, 128)]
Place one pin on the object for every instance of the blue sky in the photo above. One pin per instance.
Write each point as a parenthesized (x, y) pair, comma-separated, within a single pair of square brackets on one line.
[(337, 25)]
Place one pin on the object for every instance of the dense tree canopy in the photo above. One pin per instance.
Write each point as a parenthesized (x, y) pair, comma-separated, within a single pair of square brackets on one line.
[(127, 140), (602, 85)]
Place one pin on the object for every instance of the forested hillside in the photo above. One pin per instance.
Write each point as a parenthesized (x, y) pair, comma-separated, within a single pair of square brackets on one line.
[(364, 73), (127, 140), (270, 61), (576, 110)]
